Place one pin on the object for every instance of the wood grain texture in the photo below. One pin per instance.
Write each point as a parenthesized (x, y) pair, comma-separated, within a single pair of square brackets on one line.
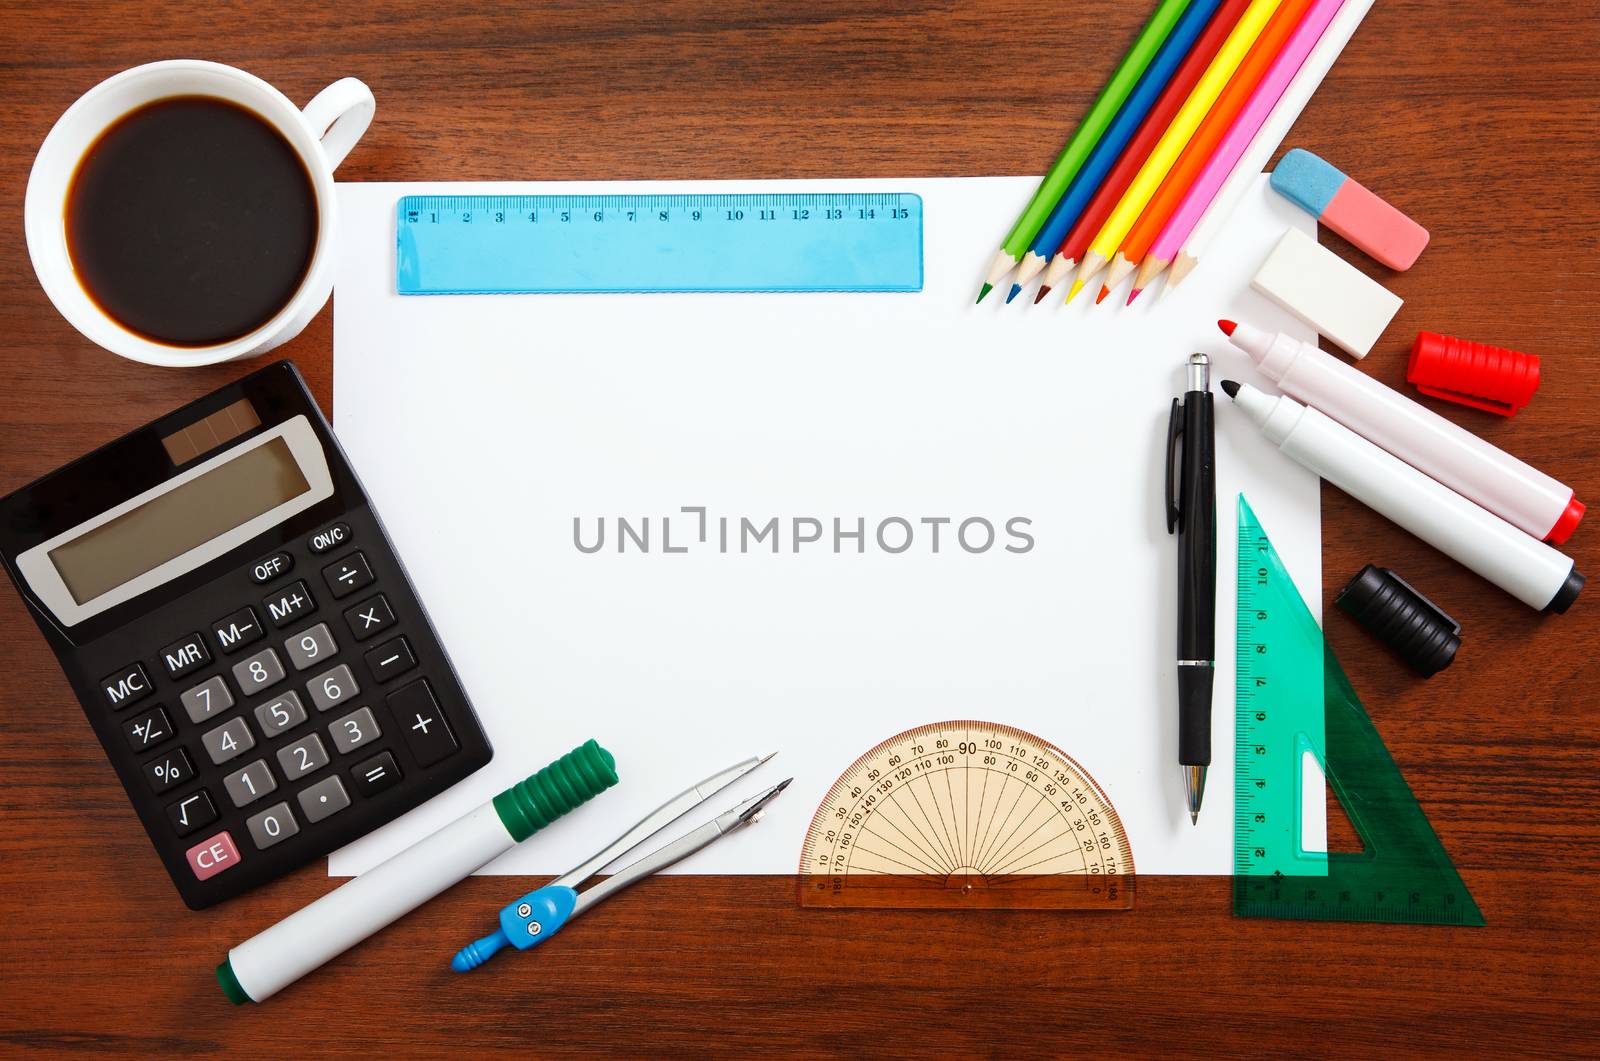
[(1479, 119)]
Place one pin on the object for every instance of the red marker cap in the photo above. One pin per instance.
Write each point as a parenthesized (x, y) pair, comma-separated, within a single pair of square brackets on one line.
[(1567, 523), (1485, 377)]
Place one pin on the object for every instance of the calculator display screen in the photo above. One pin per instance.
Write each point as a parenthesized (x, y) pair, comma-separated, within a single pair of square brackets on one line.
[(184, 517)]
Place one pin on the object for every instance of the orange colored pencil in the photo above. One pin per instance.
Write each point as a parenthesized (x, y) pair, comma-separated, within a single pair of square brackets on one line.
[(1077, 240), (1204, 142)]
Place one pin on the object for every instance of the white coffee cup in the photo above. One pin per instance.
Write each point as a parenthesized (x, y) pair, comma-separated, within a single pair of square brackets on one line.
[(322, 135)]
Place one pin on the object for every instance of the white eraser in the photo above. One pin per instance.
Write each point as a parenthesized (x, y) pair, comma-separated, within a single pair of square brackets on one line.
[(1340, 301)]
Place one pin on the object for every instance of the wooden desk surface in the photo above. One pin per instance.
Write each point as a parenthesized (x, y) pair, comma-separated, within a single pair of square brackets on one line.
[(1479, 118)]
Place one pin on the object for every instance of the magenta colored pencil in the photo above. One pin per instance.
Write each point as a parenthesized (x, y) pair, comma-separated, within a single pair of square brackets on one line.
[(1237, 139)]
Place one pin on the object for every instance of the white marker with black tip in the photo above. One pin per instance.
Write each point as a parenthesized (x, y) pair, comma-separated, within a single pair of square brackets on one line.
[(1518, 563)]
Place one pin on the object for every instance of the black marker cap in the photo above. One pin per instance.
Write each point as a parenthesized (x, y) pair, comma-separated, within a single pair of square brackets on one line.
[(1423, 635), (1567, 593)]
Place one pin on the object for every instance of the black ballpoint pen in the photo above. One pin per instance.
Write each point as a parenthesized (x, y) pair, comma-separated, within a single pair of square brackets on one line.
[(1192, 515)]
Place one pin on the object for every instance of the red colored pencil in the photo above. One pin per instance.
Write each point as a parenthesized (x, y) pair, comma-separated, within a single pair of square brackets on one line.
[(1133, 156), (1203, 145)]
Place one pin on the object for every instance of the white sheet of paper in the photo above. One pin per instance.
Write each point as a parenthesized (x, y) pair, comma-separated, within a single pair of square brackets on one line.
[(484, 426)]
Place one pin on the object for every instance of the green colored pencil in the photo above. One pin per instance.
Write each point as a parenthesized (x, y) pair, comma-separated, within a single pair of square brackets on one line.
[(1083, 141)]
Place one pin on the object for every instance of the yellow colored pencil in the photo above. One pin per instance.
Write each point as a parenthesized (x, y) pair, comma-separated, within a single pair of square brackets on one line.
[(1172, 142)]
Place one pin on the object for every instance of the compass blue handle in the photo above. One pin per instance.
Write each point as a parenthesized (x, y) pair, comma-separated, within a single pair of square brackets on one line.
[(524, 923)]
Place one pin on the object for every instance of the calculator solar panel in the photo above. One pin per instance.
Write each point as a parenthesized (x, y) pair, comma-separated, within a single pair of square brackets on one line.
[(240, 634)]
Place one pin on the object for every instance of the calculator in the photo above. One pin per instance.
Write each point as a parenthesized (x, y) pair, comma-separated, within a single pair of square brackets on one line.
[(241, 635)]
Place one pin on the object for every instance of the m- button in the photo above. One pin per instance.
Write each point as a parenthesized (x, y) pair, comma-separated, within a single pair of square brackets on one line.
[(370, 617)]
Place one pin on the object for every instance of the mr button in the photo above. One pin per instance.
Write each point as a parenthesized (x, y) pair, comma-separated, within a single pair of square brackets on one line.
[(422, 722)]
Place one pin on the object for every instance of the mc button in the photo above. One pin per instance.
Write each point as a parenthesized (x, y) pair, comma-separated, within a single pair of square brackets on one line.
[(127, 686)]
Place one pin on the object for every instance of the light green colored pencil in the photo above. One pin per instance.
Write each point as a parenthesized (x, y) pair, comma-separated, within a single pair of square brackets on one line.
[(1083, 141)]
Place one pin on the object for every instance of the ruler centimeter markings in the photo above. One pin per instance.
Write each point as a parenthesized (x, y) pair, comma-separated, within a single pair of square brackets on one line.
[(555, 244), (1278, 710)]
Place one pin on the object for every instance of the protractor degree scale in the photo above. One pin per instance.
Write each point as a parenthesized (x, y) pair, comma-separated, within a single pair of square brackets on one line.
[(966, 815)]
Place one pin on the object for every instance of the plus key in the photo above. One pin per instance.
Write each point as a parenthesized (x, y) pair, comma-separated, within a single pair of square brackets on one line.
[(422, 722)]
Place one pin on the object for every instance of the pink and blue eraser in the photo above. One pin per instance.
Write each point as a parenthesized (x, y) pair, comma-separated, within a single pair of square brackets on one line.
[(1349, 209)]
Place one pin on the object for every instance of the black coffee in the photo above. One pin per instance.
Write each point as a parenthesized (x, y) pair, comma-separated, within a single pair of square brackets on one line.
[(191, 221)]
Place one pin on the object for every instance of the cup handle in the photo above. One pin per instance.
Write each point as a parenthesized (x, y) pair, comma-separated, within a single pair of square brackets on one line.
[(339, 115)]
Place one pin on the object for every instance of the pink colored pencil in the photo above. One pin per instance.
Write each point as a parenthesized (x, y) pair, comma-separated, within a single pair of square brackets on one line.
[(1234, 143)]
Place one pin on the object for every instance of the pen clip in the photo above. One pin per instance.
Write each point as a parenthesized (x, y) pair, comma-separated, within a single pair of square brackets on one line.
[(1174, 429)]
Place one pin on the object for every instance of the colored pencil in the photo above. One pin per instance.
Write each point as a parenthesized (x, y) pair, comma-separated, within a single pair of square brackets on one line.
[(1083, 140), (1076, 241), (1201, 146), (1232, 148), (1167, 149), (1266, 141), (1156, 78)]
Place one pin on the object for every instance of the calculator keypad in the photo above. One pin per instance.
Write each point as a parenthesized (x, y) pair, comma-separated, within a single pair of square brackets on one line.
[(324, 799), (192, 812), (373, 775), (250, 784), (257, 729), (210, 697), (185, 656), (391, 659), (355, 730), (346, 576), (421, 721), (369, 618), (215, 855), (272, 826), (333, 687), (258, 672), (228, 741), (126, 687), (237, 630), (168, 771), (310, 647), (289, 604), (280, 715), (304, 756), (147, 730)]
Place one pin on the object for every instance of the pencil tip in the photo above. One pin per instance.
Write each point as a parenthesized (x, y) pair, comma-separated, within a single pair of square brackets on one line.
[(1101, 297), (986, 289), (1016, 289), (1043, 291), (1077, 285), (1133, 295)]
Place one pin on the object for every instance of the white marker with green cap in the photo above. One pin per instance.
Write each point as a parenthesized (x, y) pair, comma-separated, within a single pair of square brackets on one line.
[(265, 964)]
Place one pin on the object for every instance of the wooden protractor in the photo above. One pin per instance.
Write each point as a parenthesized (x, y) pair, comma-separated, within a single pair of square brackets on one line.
[(966, 815)]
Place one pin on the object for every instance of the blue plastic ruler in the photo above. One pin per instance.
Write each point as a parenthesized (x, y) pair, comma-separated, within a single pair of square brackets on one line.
[(549, 244)]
